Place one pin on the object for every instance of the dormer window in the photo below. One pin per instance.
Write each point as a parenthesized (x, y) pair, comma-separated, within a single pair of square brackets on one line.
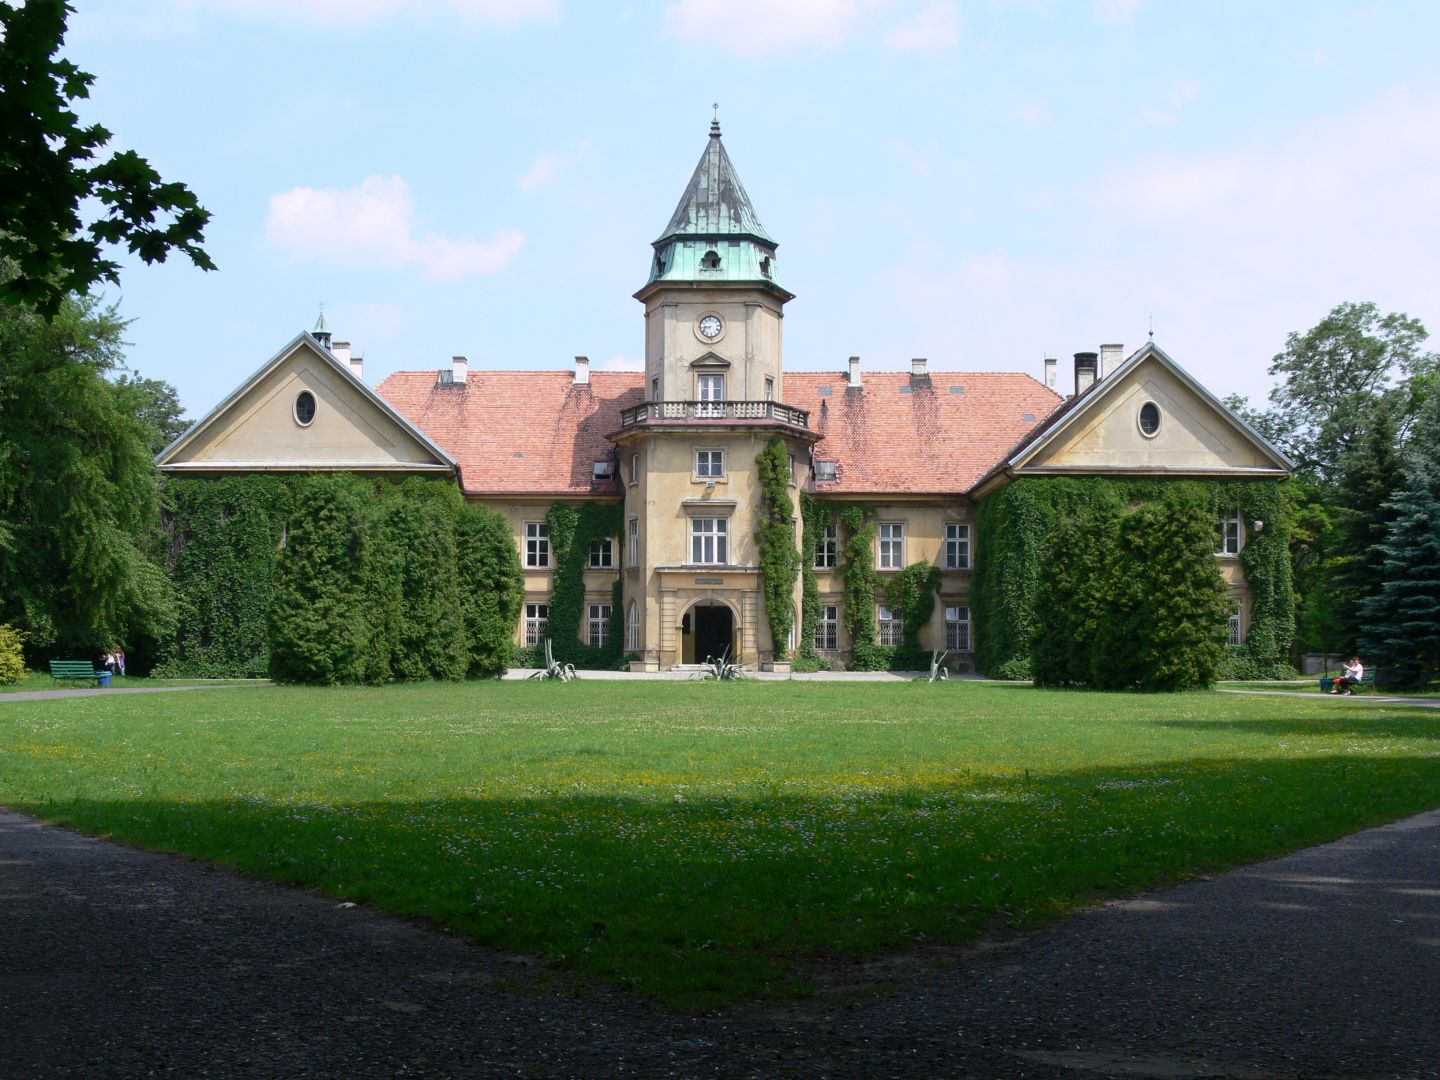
[(765, 266), (710, 260)]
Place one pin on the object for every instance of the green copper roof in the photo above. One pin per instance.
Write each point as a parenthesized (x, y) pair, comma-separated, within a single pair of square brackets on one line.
[(715, 203), (714, 234)]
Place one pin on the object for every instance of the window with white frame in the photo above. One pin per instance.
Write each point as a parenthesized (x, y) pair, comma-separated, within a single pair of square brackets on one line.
[(634, 469), (537, 543), (537, 623), (602, 553), (827, 630), (710, 389), (957, 628), (597, 625), (889, 623), (769, 388), (1234, 628), (632, 542), (792, 470), (1227, 533), (709, 540), (827, 546), (892, 545), (632, 627), (710, 464), (957, 547)]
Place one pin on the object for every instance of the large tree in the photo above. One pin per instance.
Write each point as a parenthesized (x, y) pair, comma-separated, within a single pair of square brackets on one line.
[(1337, 377), (78, 493), (53, 175)]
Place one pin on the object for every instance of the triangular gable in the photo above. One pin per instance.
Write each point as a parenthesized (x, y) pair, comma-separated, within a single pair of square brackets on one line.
[(1194, 434), (256, 428), (710, 360)]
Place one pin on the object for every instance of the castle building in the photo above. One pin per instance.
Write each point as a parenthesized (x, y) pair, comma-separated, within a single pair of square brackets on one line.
[(676, 447)]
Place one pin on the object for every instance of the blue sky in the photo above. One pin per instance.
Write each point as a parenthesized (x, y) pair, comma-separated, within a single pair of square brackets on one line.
[(979, 182)]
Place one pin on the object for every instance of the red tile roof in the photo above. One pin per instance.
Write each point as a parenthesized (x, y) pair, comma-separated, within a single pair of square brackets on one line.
[(536, 432), (892, 436), (520, 432)]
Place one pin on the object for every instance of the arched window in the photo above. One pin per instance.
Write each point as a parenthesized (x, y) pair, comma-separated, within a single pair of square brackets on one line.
[(632, 627), (710, 260)]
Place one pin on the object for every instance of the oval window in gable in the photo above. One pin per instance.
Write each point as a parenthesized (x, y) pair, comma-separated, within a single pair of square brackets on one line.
[(1149, 419), (304, 408)]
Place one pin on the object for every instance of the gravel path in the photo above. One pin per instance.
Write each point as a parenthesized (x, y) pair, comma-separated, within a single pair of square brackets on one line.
[(120, 963)]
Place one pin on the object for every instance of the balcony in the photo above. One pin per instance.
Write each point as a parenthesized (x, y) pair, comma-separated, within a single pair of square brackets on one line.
[(652, 412)]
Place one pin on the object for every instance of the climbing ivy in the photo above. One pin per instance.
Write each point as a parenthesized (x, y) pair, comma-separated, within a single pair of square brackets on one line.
[(1016, 525), (814, 516), (775, 534), (572, 529), (857, 565)]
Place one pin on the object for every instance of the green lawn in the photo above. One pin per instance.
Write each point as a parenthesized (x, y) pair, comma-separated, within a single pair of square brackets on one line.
[(705, 842), (41, 680), (1310, 684)]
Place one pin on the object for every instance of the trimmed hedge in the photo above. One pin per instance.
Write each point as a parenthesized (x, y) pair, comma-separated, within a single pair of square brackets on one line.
[(1018, 524)]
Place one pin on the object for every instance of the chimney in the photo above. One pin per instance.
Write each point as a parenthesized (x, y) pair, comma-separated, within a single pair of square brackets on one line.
[(582, 370), (341, 351), (1085, 363), (918, 369), (1051, 364), (459, 370), (855, 379), (1110, 358)]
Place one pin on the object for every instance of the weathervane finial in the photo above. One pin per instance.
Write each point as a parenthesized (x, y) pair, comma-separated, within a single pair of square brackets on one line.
[(1152, 326), (715, 122)]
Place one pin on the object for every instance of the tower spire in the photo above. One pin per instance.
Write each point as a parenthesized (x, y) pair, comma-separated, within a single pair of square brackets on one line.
[(715, 121)]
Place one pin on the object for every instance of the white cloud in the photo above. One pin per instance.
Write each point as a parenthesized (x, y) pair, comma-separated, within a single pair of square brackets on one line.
[(931, 29), (1168, 110), (621, 362), (1115, 12), (360, 12), (922, 161), (546, 169), (373, 225), (759, 27)]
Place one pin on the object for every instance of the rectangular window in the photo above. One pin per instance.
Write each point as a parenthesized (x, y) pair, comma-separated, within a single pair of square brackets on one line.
[(537, 544), (1227, 533), (892, 545), (769, 388), (654, 389), (957, 547), (710, 463), (537, 623), (826, 547), (632, 627), (1235, 638), (634, 469), (827, 630), (632, 542), (957, 628), (712, 395), (602, 553), (888, 622), (792, 470), (708, 540), (597, 625)]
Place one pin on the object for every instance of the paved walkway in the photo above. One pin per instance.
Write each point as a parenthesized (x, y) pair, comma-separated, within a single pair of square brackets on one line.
[(120, 963)]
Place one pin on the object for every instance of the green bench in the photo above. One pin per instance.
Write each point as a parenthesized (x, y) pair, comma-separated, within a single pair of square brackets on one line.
[(1368, 679), (63, 670)]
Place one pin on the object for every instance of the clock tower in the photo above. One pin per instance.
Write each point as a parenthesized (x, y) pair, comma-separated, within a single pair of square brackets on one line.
[(690, 451), (714, 303)]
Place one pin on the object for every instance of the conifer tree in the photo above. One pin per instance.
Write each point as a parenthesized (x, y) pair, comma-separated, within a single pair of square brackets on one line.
[(493, 587), (1402, 619), (320, 628), (426, 629)]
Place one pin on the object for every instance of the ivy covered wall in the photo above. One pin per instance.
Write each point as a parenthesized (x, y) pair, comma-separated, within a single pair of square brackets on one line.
[(572, 530), (1016, 526), (352, 579)]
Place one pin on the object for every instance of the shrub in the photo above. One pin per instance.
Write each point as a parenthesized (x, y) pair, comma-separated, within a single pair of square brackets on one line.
[(12, 658), (493, 589)]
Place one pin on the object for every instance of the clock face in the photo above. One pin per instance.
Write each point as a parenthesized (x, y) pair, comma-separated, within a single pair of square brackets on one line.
[(710, 326)]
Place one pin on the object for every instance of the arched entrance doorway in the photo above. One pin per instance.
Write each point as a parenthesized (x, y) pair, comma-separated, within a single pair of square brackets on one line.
[(708, 629)]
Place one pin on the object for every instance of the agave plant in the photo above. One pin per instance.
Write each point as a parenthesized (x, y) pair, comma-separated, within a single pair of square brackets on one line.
[(553, 668), (938, 671), (722, 668)]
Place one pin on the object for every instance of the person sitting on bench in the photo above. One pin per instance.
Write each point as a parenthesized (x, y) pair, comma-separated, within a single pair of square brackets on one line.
[(1354, 672)]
